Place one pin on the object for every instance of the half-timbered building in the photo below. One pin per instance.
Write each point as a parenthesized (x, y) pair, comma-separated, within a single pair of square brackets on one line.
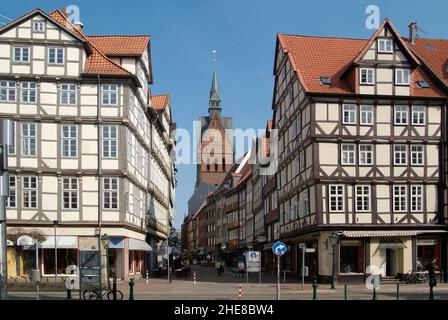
[(91, 156), (361, 131)]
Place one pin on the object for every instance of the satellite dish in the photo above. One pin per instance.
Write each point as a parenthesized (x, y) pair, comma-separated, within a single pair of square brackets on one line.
[(25, 241)]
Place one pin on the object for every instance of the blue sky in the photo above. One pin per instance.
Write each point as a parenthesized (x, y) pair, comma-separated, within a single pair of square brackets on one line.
[(183, 33)]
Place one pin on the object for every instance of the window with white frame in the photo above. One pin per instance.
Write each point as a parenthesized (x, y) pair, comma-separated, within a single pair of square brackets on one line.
[(29, 192), (402, 76), (21, 54), (109, 94), (367, 76), (348, 154), (385, 45), (400, 198), (29, 91), (12, 198), (363, 196), (416, 198), (348, 114), (110, 141), (336, 198), (417, 154), (7, 91), (418, 115), (302, 160), (400, 154), (69, 141), (401, 115), (306, 203), (68, 93), (56, 55), (110, 193), (366, 154), (366, 114), (38, 26), (28, 139), (12, 148), (70, 193)]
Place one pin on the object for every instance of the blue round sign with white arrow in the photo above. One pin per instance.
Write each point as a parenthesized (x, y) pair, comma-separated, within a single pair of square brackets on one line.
[(279, 248)]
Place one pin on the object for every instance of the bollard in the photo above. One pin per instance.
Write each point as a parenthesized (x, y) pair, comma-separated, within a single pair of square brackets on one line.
[(284, 277), (147, 276), (345, 292), (131, 289), (398, 291), (114, 287), (194, 277), (69, 294), (240, 291), (374, 294), (314, 290)]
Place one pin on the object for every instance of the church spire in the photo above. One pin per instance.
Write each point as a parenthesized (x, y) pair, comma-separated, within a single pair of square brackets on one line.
[(214, 104)]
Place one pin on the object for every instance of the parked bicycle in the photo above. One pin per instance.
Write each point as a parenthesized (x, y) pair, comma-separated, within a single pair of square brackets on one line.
[(416, 277), (94, 294)]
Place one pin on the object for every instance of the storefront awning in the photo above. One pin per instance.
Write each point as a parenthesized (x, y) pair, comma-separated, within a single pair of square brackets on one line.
[(386, 233), (62, 242), (139, 245), (392, 243), (116, 243)]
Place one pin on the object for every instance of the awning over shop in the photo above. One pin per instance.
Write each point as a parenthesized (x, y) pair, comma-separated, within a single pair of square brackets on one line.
[(62, 242), (386, 233), (139, 245), (391, 243)]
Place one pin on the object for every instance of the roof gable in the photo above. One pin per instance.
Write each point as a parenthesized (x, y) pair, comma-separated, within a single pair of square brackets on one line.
[(387, 25), (59, 23)]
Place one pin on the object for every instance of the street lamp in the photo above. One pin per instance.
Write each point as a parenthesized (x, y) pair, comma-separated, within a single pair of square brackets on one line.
[(55, 224), (334, 242), (106, 242)]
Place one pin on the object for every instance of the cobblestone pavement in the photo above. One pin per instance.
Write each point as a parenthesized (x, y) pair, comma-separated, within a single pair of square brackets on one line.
[(210, 287)]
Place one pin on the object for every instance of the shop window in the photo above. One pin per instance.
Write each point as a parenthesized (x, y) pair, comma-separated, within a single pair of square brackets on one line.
[(66, 257), (351, 256), (427, 251)]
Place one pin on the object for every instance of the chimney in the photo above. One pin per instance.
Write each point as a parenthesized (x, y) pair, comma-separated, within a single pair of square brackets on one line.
[(412, 32), (79, 26)]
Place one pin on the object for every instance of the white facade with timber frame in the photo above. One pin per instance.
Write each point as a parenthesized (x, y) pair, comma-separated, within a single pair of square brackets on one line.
[(361, 126)]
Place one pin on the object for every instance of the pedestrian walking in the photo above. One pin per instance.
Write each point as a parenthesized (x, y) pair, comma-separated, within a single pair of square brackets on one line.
[(222, 267), (218, 267)]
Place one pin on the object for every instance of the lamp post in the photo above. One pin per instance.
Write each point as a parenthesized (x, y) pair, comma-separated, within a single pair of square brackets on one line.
[(334, 241), (55, 225), (106, 241)]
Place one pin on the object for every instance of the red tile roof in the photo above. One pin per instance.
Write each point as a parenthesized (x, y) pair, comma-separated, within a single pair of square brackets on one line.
[(434, 52), (118, 46), (159, 102), (97, 62), (314, 57)]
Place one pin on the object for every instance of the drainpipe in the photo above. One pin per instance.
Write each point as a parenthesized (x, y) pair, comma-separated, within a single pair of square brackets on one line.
[(100, 190)]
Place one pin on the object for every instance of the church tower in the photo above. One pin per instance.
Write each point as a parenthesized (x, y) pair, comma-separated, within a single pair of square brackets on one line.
[(215, 153)]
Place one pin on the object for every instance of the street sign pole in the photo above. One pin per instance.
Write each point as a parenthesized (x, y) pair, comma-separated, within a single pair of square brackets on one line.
[(303, 266), (278, 277)]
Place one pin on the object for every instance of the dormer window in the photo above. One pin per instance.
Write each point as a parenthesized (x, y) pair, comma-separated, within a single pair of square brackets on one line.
[(38, 26), (402, 76), (385, 45), (366, 76)]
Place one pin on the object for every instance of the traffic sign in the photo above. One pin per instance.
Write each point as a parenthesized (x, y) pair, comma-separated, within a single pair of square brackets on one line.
[(279, 248), (253, 261)]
